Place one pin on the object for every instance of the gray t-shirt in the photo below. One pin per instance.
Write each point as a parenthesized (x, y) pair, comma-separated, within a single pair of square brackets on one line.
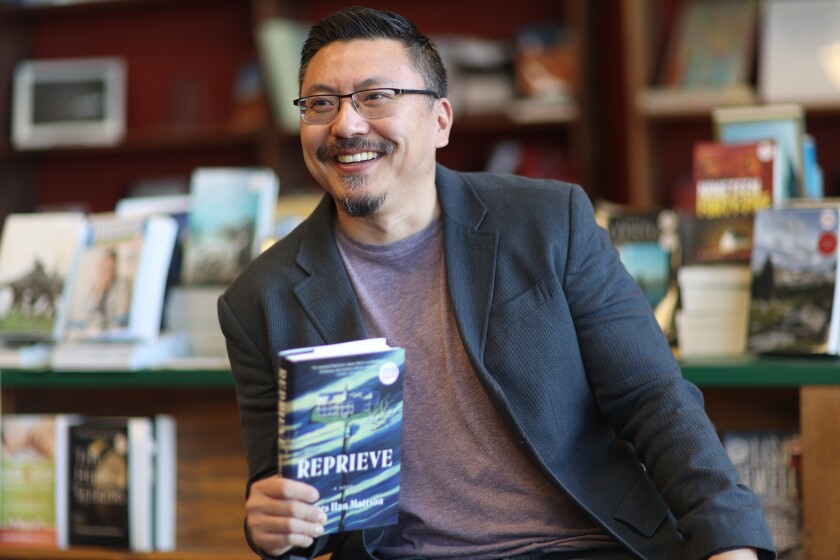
[(468, 490)]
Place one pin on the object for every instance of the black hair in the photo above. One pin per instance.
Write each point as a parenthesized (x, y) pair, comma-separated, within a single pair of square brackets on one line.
[(360, 22)]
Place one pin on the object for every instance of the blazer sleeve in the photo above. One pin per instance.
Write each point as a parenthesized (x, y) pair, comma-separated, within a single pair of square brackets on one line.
[(639, 387)]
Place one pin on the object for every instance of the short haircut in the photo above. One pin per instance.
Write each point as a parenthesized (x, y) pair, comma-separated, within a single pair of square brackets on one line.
[(359, 22)]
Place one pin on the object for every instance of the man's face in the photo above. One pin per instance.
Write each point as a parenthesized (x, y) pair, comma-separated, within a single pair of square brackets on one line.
[(377, 164)]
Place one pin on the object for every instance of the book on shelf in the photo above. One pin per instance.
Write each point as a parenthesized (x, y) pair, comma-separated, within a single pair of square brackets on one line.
[(33, 479), (340, 427), (769, 463), (192, 309), (231, 216), (712, 45), (175, 205), (121, 483), (799, 52), (121, 281), (116, 355), (782, 123), (546, 62), (648, 246), (279, 41), (794, 297), (39, 256), (731, 182)]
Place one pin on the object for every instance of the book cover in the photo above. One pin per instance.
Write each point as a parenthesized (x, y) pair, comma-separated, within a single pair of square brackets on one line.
[(647, 243), (231, 216), (340, 427), (712, 45), (121, 280), (33, 475), (114, 355), (731, 182), (794, 297), (111, 483), (769, 463), (39, 253)]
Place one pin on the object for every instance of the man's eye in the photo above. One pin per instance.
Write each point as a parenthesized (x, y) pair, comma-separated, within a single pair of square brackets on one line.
[(376, 97), (320, 104)]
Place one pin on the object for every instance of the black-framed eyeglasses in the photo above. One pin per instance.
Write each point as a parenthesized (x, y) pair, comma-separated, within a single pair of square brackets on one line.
[(369, 103)]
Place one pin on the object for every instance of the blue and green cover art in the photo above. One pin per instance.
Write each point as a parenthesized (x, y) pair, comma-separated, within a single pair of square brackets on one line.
[(340, 425)]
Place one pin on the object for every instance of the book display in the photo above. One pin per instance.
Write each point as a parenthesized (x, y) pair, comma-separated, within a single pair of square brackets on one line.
[(231, 216), (795, 301), (769, 462), (340, 426), (731, 181)]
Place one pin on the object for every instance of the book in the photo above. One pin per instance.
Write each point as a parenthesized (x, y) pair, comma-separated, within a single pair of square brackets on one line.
[(33, 476), (279, 42), (121, 281), (794, 305), (231, 216), (192, 309), (115, 355), (340, 427), (731, 182), (712, 45), (782, 123), (39, 255), (769, 462), (799, 52), (648, 246), (121, 469)]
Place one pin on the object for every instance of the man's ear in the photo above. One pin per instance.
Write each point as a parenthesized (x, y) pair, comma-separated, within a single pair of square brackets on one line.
[(444, 122)]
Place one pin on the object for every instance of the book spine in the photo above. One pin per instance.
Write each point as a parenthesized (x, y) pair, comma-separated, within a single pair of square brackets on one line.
[(282, 441)]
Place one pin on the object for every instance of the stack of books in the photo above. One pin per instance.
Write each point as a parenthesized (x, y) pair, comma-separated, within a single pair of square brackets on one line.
[(715, 302)]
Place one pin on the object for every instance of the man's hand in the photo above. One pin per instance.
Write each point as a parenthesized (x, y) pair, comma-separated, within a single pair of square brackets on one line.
[(280, 515), (737, 554)]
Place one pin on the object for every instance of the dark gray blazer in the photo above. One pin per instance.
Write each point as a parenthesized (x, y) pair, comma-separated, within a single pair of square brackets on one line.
[(563, 341)]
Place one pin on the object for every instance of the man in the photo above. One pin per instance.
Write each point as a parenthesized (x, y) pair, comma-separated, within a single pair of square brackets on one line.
[(544, 413)]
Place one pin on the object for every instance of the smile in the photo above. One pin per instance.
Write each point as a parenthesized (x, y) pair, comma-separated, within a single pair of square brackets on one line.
[(355, 158)]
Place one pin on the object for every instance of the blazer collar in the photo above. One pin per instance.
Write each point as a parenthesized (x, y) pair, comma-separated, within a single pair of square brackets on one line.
[(470, 258)]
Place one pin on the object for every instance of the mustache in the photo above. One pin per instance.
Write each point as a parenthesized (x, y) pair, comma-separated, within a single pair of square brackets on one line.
[(332, 148)]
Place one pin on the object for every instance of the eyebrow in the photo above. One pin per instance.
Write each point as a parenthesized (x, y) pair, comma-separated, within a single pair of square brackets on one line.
[(368, 83)]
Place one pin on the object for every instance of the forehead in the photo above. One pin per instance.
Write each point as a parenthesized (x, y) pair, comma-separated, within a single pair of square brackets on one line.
[(347, 65)]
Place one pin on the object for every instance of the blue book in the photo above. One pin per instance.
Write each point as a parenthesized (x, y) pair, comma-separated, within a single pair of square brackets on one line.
[(340, 428)]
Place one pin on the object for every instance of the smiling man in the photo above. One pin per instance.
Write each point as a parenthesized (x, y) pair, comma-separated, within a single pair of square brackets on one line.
[(544, 414)]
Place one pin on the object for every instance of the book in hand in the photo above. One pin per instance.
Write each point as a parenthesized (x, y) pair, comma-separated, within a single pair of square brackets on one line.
[(116, 466), (769, 463), (231, 216), (340, 427), (794, 305), (731, 182), (39, 253), (33, 478), (121, 281)]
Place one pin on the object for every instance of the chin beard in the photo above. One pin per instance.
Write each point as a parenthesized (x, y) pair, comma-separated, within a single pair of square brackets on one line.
[(361, 207)]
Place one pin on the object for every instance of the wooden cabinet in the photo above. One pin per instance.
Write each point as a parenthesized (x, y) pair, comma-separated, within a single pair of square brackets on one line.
[(183, 58)]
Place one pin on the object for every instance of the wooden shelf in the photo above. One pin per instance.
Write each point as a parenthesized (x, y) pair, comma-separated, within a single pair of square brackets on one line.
[(763, 371), (149, 378), (12, 553)]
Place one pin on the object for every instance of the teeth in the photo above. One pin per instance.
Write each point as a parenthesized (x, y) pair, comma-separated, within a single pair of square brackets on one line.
[(364, 156)]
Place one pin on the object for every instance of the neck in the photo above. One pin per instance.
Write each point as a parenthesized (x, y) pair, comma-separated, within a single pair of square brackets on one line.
[(388, 225)]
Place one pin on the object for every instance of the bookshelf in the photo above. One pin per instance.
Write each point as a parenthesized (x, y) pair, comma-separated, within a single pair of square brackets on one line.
[(181, 110), (661, 125), (183, 57)]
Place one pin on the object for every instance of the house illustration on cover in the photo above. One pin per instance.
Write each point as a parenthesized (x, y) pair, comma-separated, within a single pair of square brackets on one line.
[(340, 405)]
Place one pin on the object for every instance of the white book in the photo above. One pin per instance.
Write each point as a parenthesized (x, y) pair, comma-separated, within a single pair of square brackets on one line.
[(165, 483), (231, 216), (117, 355), (121, 280), (39, 255)]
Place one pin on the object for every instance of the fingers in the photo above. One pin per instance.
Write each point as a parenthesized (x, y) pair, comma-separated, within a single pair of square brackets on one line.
[(280, 515)]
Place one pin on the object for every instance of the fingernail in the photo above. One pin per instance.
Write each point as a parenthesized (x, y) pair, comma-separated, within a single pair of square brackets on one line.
[(322, 517), (319, 530)]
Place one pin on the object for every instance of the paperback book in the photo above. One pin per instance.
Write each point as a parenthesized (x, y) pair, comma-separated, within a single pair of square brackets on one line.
[(119, 292), (794, 300), (731, 182), (115, 473), (231, 216), (769, 463), (340, 428), (33, 478), (39, 254)]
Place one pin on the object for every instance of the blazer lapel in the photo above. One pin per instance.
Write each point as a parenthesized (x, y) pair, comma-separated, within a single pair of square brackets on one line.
[(326, 294), (470, 256)]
